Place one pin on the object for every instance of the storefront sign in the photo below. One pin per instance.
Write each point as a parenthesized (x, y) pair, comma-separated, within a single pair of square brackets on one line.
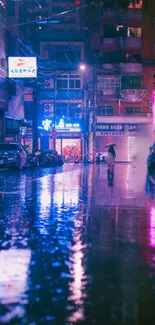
[(62, 126), (22, 67), (116, 127), (110, 133), (70, 135)]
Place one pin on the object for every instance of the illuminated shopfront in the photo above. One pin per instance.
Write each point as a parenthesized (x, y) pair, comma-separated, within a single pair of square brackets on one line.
[(69, 141)]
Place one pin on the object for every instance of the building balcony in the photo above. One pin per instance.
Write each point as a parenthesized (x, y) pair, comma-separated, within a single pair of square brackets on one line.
[(3, 99), (109, 43), (134, 95), (131, 44), (127, 44), (121, 16), (130, 68), (64, 36), (135, 15), (142, 118)]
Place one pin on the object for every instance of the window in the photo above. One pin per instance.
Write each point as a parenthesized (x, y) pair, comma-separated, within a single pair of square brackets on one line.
[(71, 110), (108, 83), (64, 53), (134, 32), (105, 110), (69, 82), (62, 83), (121, 31), (137, 4), (133, 110), (74, 82), (109, 31), (61, 110), (131, 82)]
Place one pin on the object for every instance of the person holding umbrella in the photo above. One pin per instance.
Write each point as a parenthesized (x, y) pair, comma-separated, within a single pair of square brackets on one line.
[(111, 153)]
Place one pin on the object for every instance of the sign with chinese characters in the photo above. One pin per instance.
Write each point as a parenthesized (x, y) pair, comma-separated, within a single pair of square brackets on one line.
[(62, 126), (22, 67), (116, 127), (110, 133)]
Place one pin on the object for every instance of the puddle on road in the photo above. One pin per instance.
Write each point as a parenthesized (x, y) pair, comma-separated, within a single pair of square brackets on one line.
[(75, 251)]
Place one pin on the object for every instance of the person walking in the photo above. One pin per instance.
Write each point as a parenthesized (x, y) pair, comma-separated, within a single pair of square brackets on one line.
[(111, 155)]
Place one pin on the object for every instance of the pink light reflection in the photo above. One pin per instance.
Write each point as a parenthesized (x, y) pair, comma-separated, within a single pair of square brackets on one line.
[(152, 227), (14, 264), (76, 286)]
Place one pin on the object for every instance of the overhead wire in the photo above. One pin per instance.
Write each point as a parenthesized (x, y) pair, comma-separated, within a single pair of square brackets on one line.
[(48, 17)]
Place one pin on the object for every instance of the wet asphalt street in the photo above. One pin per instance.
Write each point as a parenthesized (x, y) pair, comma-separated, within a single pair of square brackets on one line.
[(74, 250)]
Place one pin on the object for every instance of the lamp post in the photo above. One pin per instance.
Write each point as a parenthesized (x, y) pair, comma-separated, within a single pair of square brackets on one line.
[(35, 118), (92, 116), (54, 111)]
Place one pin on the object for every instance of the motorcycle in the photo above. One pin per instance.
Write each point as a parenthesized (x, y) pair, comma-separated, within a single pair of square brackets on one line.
[(100, 158), (60, 161), (32, 159), (87, 160), (50, 159)]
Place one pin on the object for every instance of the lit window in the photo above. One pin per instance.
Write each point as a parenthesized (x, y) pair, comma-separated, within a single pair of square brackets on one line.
[(137, 4), (134, 32)]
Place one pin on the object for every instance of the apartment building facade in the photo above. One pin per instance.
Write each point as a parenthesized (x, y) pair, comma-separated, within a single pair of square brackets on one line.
[(60, 47), (121, 45)]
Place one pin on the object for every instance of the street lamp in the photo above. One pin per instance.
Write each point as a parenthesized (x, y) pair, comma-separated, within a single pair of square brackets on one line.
[(92, 114), (82, 67)]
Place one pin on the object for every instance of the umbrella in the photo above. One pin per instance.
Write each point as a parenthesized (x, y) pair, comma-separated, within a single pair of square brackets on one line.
[(110, 145)]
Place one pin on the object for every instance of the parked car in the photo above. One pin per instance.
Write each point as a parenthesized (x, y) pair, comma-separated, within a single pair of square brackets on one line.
[(151, 159), (12, 155)]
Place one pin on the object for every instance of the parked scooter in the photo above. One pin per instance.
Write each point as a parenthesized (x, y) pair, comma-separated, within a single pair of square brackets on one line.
[(87, 160), (100, 159), (32, 160)]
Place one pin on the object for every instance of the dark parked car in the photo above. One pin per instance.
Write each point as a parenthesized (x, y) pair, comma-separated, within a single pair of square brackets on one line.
[(12, 155)]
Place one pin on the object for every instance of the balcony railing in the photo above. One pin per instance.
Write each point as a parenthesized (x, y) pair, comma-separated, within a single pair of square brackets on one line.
[(134, 94), (130, 68), (131, 15), (125, 43), (123, 15), (131, 43), (125, 114)]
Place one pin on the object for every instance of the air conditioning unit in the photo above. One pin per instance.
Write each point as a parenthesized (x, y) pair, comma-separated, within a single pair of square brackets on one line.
[(48, 110), (49, 83), (78, 116)]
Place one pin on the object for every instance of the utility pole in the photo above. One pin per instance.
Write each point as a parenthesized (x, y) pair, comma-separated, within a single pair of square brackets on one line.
[(92, 122), (35, 117), (94, 114)]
